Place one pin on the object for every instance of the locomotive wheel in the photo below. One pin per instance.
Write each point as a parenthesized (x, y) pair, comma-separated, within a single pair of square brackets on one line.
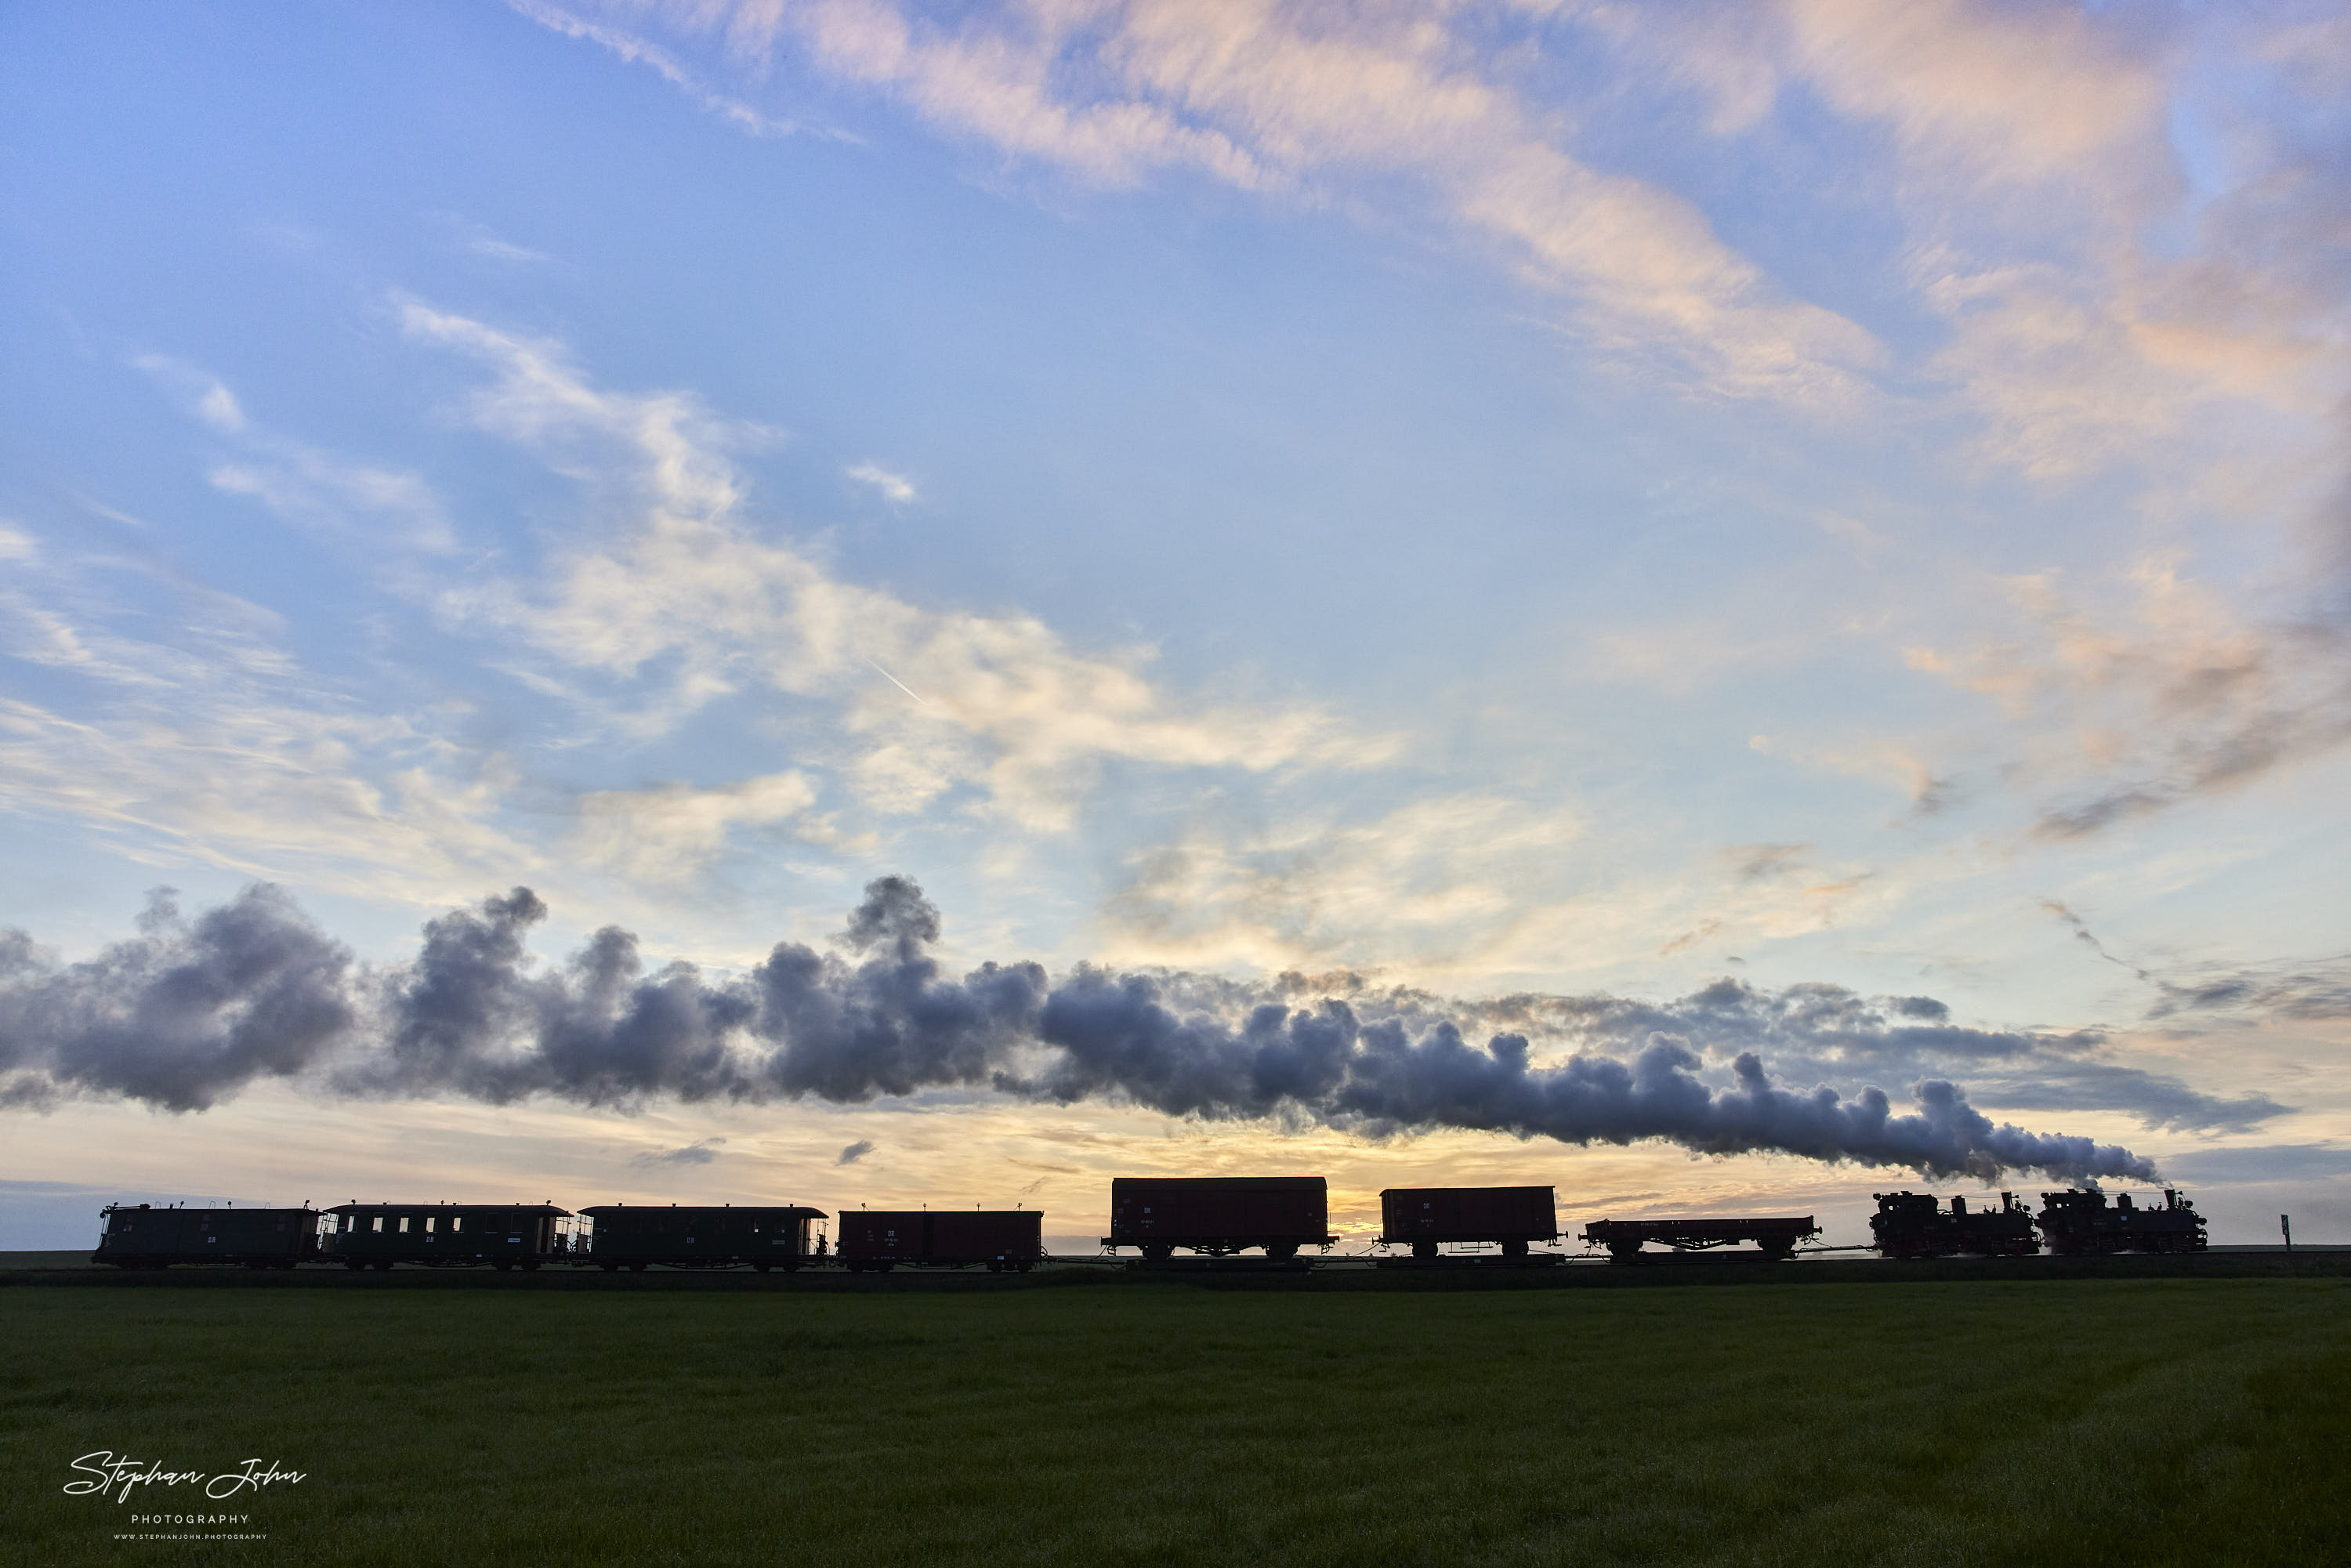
[(355, 1264), (636, 1267), (760, 1268), (610, 1268)]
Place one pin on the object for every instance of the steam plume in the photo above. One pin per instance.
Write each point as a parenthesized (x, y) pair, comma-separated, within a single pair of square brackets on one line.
[(187, 1014)]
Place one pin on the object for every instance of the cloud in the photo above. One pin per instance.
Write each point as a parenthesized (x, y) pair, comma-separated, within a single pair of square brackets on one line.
[(895, 488), (2297, 992), (682, 594), (701, 1151), (206, 396), (2003, 91), (194, 735), (2177, 697), (671, 832), (2121, 220), (188, 1013), (855, 1152), (1307, 100), (637, 51), (2264, 1163), (306, 486), (1441, 878)]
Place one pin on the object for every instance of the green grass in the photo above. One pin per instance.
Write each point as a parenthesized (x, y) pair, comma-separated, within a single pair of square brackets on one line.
[(1123, 1421)]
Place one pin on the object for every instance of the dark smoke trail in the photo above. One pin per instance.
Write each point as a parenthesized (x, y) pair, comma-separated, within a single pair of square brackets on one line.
[(186, 1015)]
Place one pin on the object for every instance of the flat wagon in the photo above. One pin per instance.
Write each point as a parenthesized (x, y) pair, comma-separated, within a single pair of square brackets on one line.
[(699, 1237), (448, 1235), (1429, 1219), (1218, 1215), (1625, 1238), (141, 1236), (881, 1239)]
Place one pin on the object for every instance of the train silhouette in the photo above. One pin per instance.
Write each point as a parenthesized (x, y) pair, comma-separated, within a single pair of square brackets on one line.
[(1214, 1217)]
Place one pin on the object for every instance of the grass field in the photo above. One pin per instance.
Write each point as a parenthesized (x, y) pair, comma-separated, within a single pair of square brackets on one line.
[(1112, 1420)]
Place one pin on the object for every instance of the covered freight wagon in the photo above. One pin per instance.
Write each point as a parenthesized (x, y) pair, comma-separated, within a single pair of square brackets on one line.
[(448, 1235), (1218, 1215), (880, 1239), (1428, 1218), (140, 1236), (699, 1237)]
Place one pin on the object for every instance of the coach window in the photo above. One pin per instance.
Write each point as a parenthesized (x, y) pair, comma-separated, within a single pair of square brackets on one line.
[(428, 1224), (404, 1224), (379, 1222), (457, 1222)]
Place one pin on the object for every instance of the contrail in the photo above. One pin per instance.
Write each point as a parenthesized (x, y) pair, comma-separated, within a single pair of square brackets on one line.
[(897, 683)]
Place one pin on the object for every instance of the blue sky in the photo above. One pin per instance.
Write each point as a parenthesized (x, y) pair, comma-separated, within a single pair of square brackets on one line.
[(1565, 500)]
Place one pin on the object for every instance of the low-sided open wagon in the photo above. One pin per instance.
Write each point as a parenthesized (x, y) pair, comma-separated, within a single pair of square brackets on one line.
[(1624, 1237)]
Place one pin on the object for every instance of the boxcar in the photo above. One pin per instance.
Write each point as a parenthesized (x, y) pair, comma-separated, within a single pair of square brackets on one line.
[(1427, 1217), (143, 1237), (880, 1239), (699, 1238), (1218, 1215), (1623, 1239), (447, 1235)]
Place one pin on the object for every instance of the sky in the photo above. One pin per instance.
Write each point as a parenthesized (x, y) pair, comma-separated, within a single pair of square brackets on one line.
[(1722, 606)]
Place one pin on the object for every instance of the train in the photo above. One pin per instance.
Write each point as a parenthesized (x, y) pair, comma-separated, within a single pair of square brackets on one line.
[(1216, 1218)]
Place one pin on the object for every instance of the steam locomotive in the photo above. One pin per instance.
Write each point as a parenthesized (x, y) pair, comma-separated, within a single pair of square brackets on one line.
[(1214, 1217), (1916, 1225)]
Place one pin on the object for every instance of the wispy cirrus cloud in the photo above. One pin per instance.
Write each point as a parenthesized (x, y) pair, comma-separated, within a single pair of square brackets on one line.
[(1311, 100), (635, 51)]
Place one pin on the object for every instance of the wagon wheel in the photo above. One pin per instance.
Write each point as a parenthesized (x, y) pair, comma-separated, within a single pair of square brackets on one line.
[(1281, 1251)]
